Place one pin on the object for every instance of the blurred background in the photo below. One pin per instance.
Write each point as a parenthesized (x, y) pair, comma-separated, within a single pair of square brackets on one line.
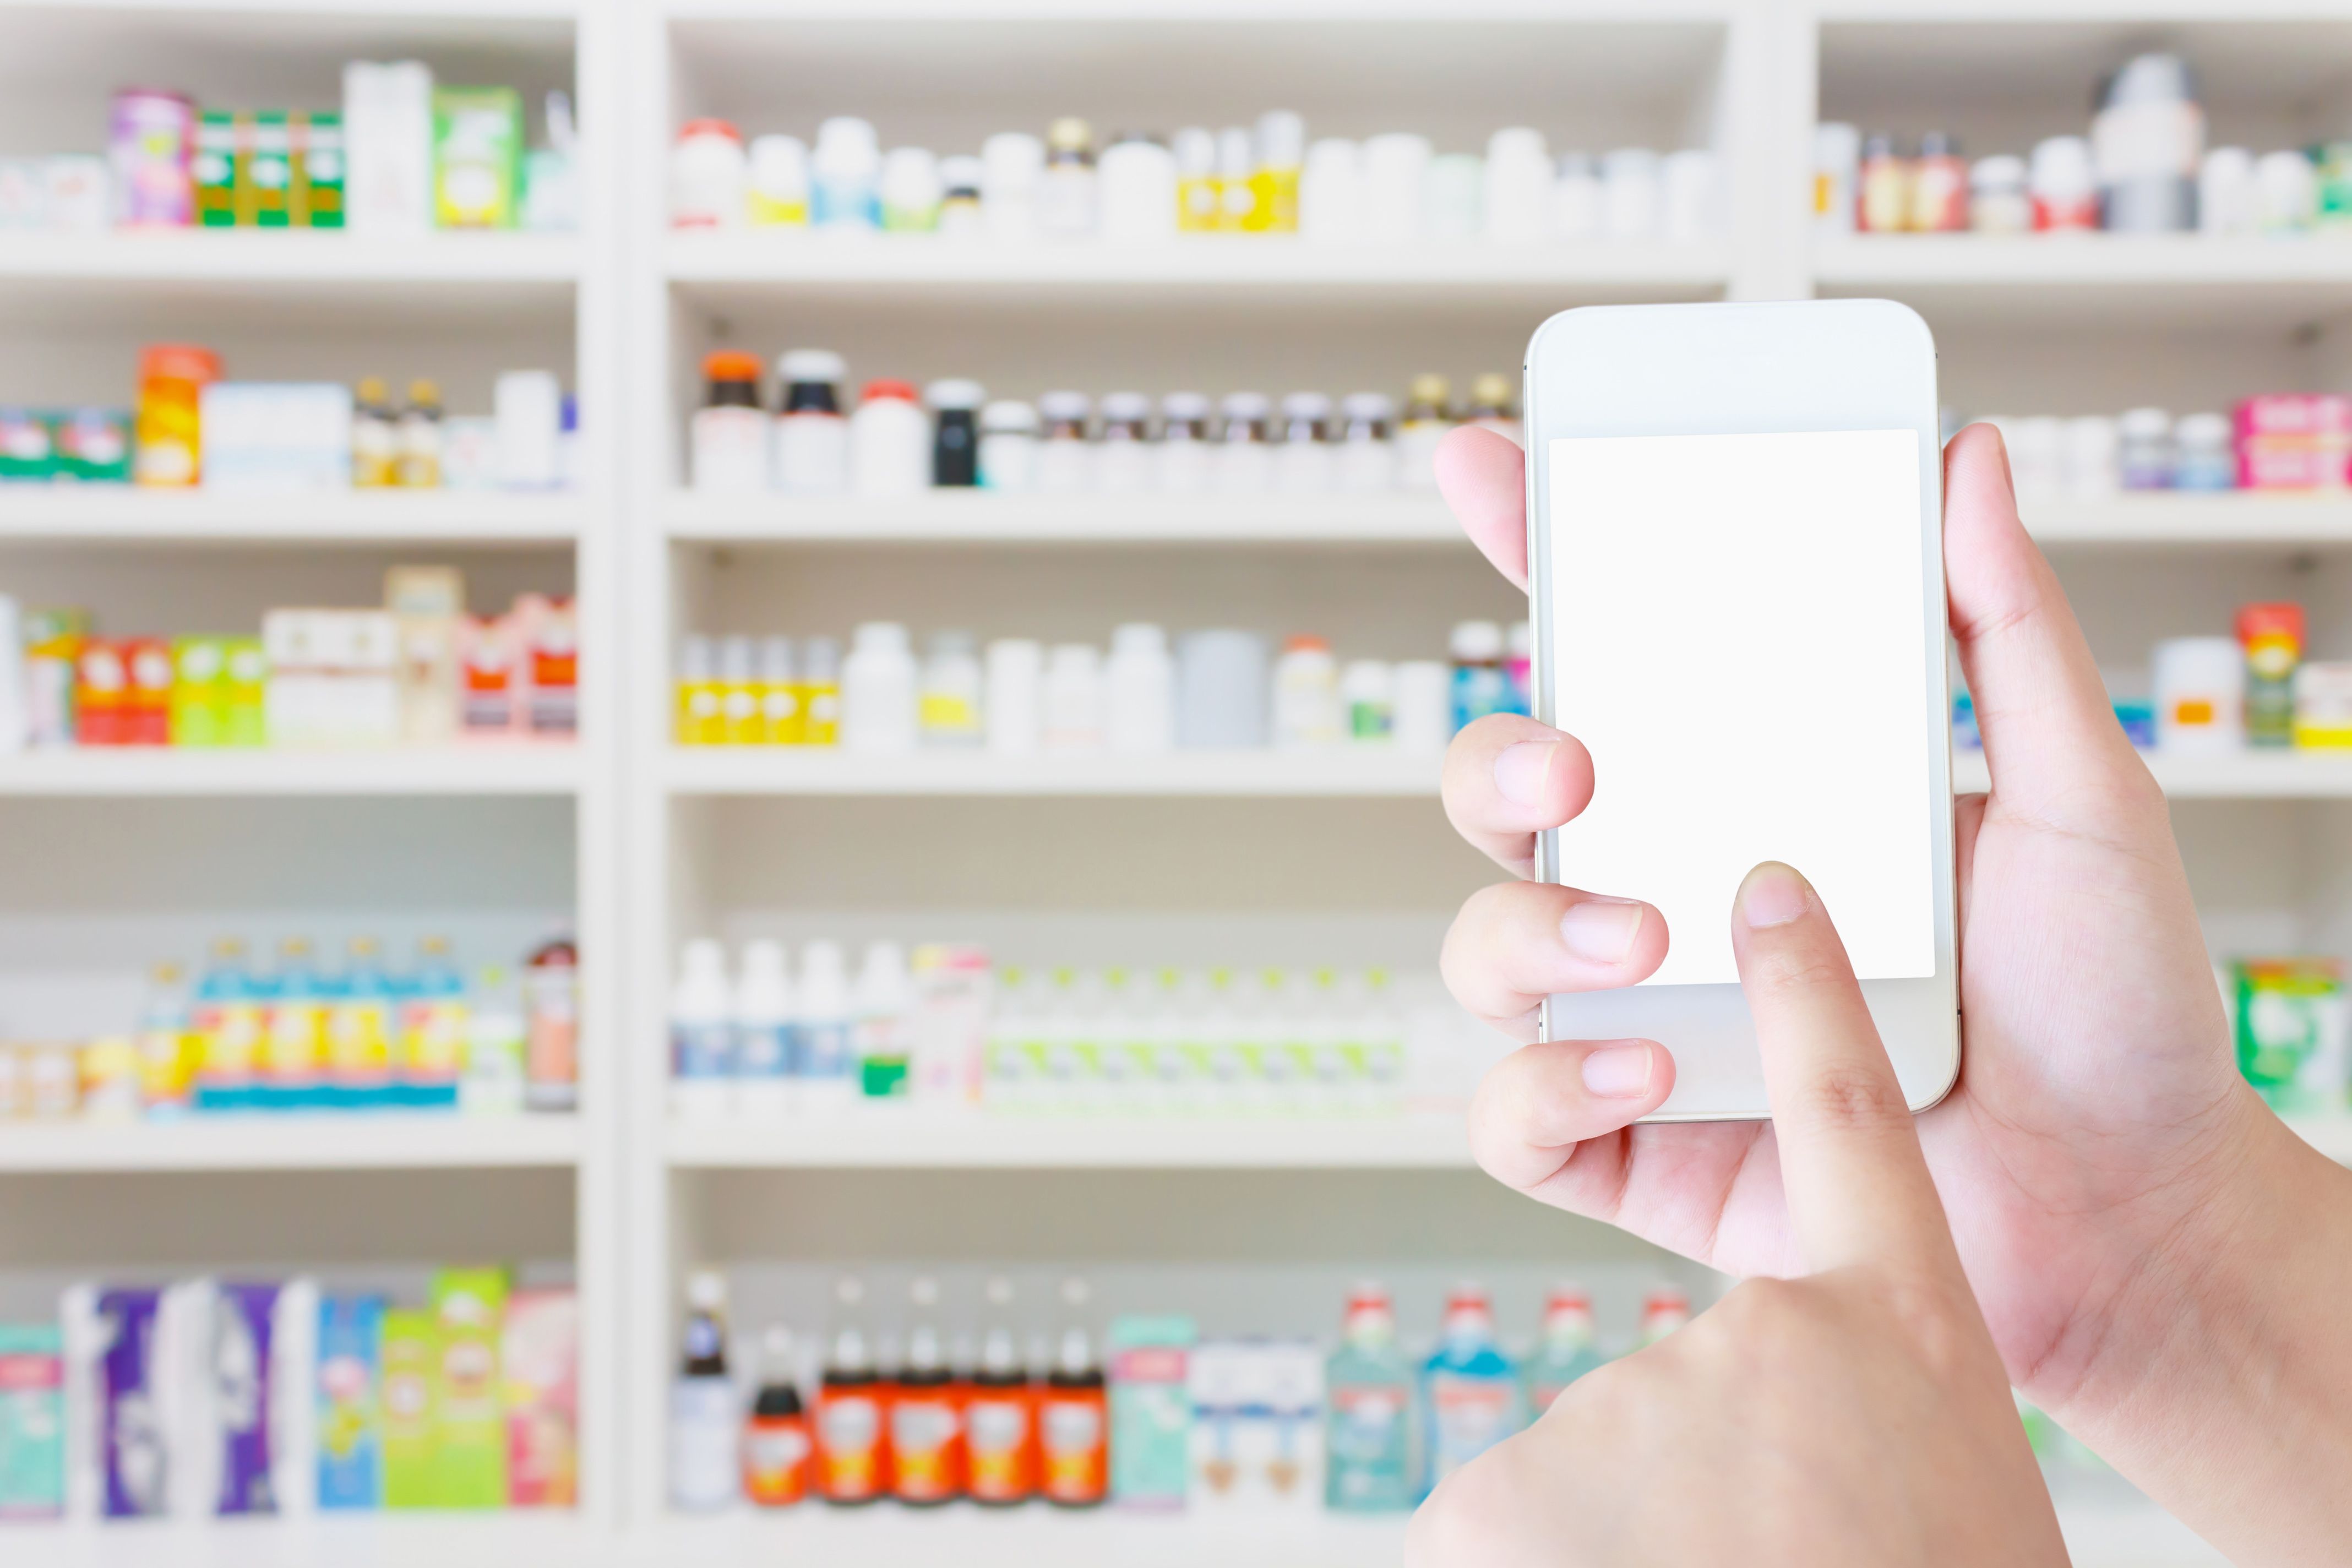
[(719, 719)]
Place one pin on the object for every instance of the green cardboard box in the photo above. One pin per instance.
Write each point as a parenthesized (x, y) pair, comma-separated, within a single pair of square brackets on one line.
[(470, 1461)]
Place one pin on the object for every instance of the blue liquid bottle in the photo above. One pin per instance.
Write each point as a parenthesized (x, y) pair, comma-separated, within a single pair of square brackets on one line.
[(1368, 1402), (1473, 1388)]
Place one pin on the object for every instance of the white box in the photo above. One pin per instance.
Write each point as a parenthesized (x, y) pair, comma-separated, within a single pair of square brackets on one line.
[(78, 190), (529, 412), (271, 436), (388, 149)]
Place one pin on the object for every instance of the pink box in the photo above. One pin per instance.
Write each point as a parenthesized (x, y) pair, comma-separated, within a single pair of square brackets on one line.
[(538, 1356), (2294, 440)]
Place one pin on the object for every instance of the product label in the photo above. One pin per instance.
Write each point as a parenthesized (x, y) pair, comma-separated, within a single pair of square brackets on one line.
[(763, 1050), (1367, 1446), (1074, 1460), (923, 1432), (849, 1455), (132, 1444), (1467, 1417), (997, 1438), (702, 1050), (32, 1423), (239, 1365), (776, 1451), (823, 1051)]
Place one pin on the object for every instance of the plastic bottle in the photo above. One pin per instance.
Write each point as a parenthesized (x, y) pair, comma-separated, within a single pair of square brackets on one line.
[(551, 989), (777, 194), (1428, 415), (1064, 457), (1184, 445), (1008, 447), (1244, 461), (1303, 461), (1939, 186), (294, 1042), (1136, 183), (702, 1463), (1471, 1387), (2273, 637), (1331, 192), (1281, 154), (1125, 463), (1141, 688), (1236, 202), (2062, 187), (2144, 454), (853, 1442), (1065, 193), (1518, 191), (1074, 694), (1305, 707), (1492, 407), (1577, 198), (1013, 168), (2207, 457), (2226, 199), (1998, 198), (949, 699), (889, 443), (227, 1019), (1663, 1309), (376, 437), (883, 1008), (1369, 1385), (765, 1038), (927, 1438), (1073, 1413), (740, 719), (701, 716), (1566, 1351), (1368, 701), (811, 439), (1000, 1435), (1396, 167), (1837, 157), (495, 1039), (821, 692), (1014, 708), (824, 1046), (701, 1033), (955, 452), (777, 1449), (1480, 685), (1885, 204), (843, 172), (781, 722), (960, 216), (166, 1040), (707, 172), (419, 465), (1197, 198), (1364, 462), (878, 690), (908, 192), (431, 1029), (2146, 140)]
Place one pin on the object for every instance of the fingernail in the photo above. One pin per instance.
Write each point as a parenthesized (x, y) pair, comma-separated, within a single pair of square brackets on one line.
[(1519, 771), (1774, 894), (1601, 930), (1618, 1072)]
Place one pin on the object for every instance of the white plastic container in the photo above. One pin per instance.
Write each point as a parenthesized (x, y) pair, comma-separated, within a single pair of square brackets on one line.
[(2090, 456), (843, 173), (707, 175), (1140, 681), (1186, 451), (2229, 200), (1244, 459), (2063, 186), (730, 449), (1136, 181), (823, 1062), (812, 444), (1013, 163), (1577, 198), (2200, 696), (1331, 192), (949, 705), (1691, 194), (764, 1047), (1519, 190), (878, 690), (1075, 694), (1368, 701), (1125, 463), (1065, 457), (1306, 706), (882, 1008), (701, 1033), (1304, 460), (528, 408), (1221, 690), (1425, 707), (778, 193), (1014, 707), (1629, 194), (1396, 166), (1008, 447), (908, 192), (1454, 198), (2286, 193), (961, 179), (889, 443), (1364, 461)]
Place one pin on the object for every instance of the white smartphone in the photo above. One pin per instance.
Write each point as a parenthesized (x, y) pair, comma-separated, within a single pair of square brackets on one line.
[(1736, 571)]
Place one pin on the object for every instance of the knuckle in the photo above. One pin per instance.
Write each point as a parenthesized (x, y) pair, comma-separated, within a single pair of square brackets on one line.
[(1852, 1098)]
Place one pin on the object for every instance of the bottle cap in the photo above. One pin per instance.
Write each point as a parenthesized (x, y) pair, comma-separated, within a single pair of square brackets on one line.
[(2145, 424), (1196, 152), (178, 362), (961, 174), (1009, 417), (1491, 390), (954, 393), (811, 365), (1070, 134), (1245, 405), (1184, 405), (694, 128), (1432, 390), (1306, 405), (706, 1289), (1366, 406), (727, 365), (1126, 406), (1059, 406), (1305, 642), (1476, 640), (1281, 139), (891, 391)]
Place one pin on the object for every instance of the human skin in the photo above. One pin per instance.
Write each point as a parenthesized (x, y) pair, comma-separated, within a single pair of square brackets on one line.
[(1857, 1413), (2161, 1262)]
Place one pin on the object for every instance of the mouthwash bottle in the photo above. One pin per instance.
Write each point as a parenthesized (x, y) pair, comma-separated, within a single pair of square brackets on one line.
[(166, 1043), (1473, 1388), (360, 1030), (432, 1030), (1568, 1350), (1369, 1397), (228, 1020)]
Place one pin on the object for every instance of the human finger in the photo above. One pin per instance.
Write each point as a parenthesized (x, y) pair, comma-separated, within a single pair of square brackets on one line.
[(1507, 778), (1483, 477), (1514, 943)]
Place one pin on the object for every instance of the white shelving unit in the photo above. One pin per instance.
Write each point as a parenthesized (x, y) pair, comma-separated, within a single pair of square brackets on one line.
[(1342, 859)]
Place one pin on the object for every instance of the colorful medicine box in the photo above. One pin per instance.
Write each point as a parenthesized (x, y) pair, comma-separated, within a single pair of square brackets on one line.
[(1151, 1412), (32, 1422), (538, 1356), (28, 447), (2292, 440), (469, 1458), (410, 1354), (2292, 1030), (2323, 706), (351, 1402), (476, 156), (93, 446)]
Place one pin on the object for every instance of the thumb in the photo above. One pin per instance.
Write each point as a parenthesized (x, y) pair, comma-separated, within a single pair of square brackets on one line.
[(1857, 1184)]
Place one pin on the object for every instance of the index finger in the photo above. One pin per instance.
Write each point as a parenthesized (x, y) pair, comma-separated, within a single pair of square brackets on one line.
[(1483, 476), (1857, 1184)]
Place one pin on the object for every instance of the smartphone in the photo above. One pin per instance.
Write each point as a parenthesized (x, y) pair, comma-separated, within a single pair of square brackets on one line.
[(1735, 521)]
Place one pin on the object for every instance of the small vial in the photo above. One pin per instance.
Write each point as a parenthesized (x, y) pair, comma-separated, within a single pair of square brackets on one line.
[(1244, 459), (1303, 463), (1124, 459), (739, 692), (1065, 456), (780, 694), (1366, 463), (955, 439), (1008, 447), (1184, 445)]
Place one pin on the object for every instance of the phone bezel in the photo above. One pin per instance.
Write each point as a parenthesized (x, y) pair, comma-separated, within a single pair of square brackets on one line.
[(1742, 369)]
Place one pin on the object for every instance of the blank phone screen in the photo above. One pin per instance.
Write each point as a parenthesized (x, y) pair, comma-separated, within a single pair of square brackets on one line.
[(1739, 635)]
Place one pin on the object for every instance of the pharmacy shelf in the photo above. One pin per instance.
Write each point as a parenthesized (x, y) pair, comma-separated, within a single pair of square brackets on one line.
[(2227, 518), (366, 1541), (486, 770), (293, 1141), (2242, 775), (987, 517), (909, 1138), (124, 514), (1564, 274), (278, 259), (827, 771), (2093, 279)]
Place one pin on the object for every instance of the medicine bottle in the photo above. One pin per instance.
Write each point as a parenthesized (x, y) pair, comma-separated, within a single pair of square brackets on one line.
[(375, 435), (1274, 183), (1306, 704), (1454, 198), (1884, 206), (2064, 193), (1518, 194), (955, 439), (1837, 153), (1331, 192), (1197, 199), (1690, 196), (1140, 678), (1184, 445), (890, 442), (419, 466), (1014, 705), (909, 193), (1576, 209), (1124, 458), (778, 194), (781, 722), (1074, 694), (1065, 193), (843, 172), (878, 690), (1365, 462), (1137, 186), (1236, 161), (960, 180), (927, 1446), (852, 1452), (812, 438), (1427, 418), (1480, 685), (2203, 457), (949, 702), (1997, 201), (2147, 139), (1368, 701), (2226, 199), (1303, 462), (1630, 195), (2144, 458), (1000, 1428), (1064, 457), (1939, 186), (821, 692), (1396, 166), (1073, 1416), (1008, 445), (707, 172), (1244, 459), (741, 715), (1492, 407), (701, 721), (776, 1444), (1013, 166)]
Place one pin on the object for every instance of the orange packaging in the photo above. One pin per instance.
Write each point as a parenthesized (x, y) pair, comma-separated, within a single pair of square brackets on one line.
[(147, 706), (489, 680), (101, 694), (167, 448), (776, 1455), (927, 1448), (1074, 1444), (999, 1442), (853, 1441)]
